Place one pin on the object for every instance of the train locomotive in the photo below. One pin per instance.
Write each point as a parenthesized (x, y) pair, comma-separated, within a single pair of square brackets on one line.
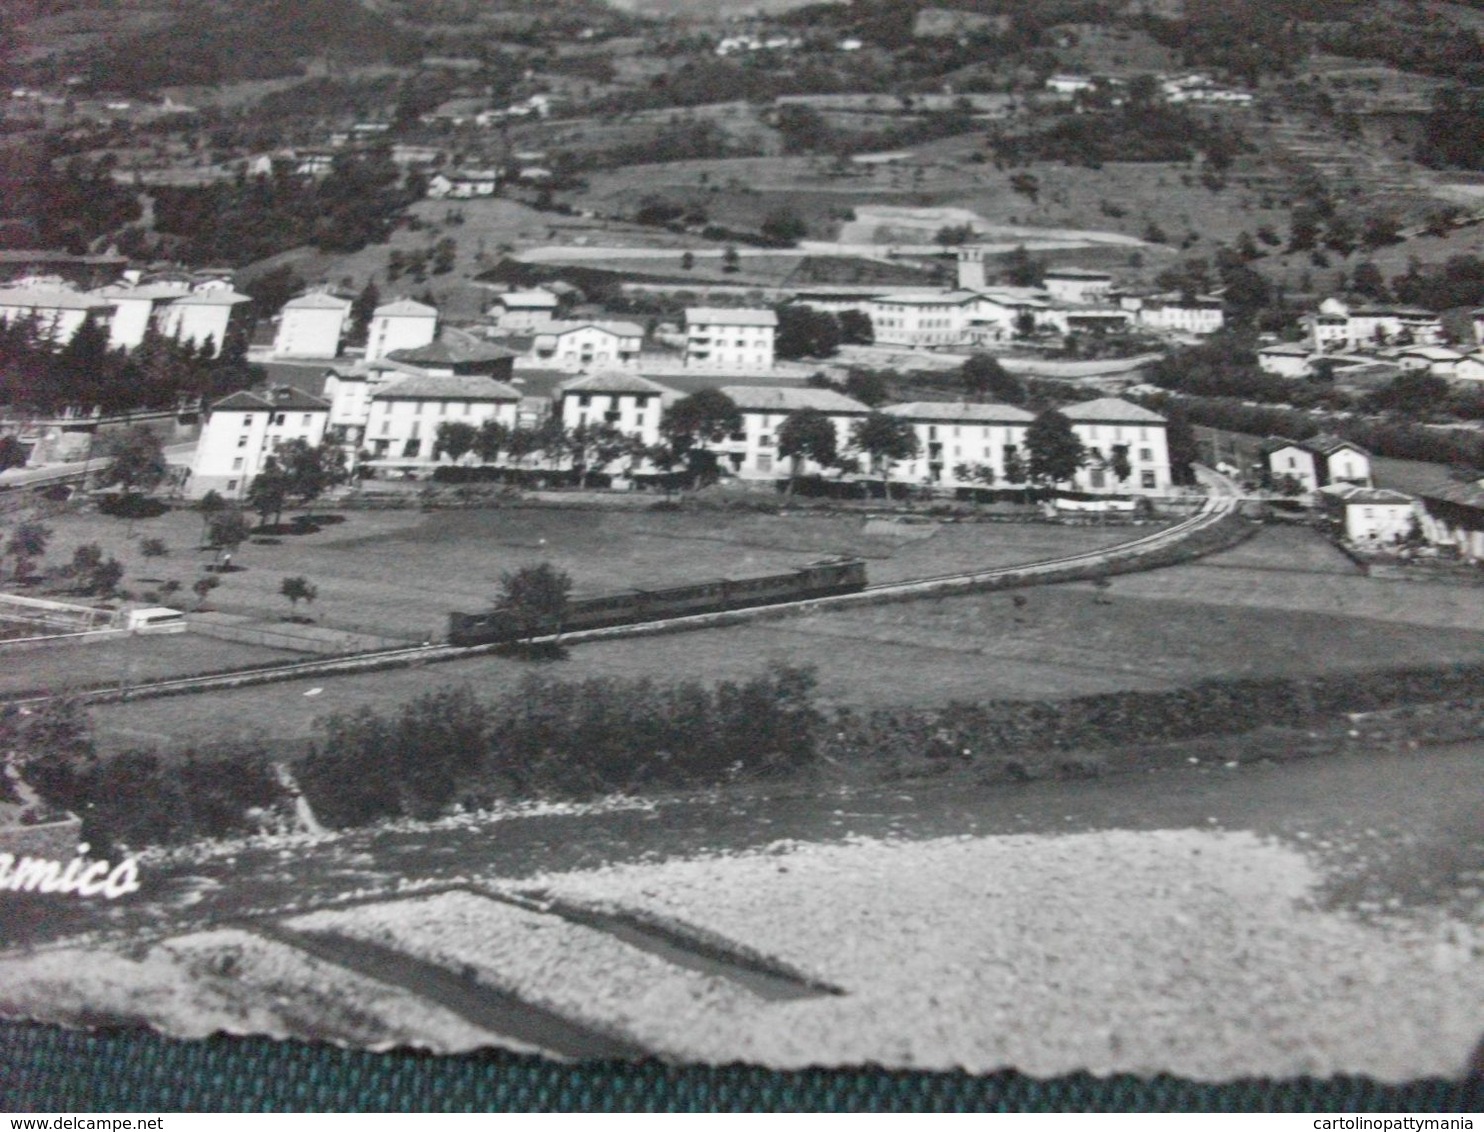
[(819, 579)]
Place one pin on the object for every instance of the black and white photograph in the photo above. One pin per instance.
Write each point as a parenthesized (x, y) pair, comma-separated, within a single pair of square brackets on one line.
[(926, 534)]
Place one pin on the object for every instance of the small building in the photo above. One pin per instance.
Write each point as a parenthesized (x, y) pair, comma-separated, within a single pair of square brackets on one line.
[(1197, 314), (1286, 359), (464, 184), (311, 326), (242, 431), (1470, 368), (579, 346), (1452, 515), (402, 428), (1314, 463), (958, 440), (1076, 285), (401, 325), (201, 316), (1288, 461), (1107, 425), (729, 339), (922, 320), (752, 453), (59, 312), (454, 354), (630, 403), (1369, 516), (524, 310), (1436, 360)]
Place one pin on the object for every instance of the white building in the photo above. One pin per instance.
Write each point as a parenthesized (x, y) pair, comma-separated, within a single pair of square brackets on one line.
[(58, 311), (135, 307), (1075, 285), (1453, 516), (1371, 516), (961, 435), (464, 184), (578, 346), (1336, 323), (402, 428), (1286, 359), (1314, 463), (201, 316), (1069, 85), (1470, 367), (1436, 360), (922, 320), (1198, 315), (311, 326), (402, 325), (242, 431), (752, 453), (1110, 423), (729, 340), (524, 310), (630, 403)]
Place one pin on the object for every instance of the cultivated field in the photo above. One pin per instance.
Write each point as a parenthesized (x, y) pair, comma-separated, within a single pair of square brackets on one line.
[(1281, 604)]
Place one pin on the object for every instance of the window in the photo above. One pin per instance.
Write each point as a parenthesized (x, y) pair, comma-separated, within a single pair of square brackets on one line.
[(417, 408), (242, 442), (1097, 478), (1146, 479), (765, 441), (412, 449), (231, 485), (237, 464), (278, 418), (765, 463), (1146, 455), (584, 400), (639, 419), (308, 417)]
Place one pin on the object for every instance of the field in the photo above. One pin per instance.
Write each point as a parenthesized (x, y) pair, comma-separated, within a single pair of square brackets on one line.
[(1282, 604), (124, 661)]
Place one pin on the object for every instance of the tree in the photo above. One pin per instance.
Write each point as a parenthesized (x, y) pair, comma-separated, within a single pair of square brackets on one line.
[(203, 586), (807, 434), (456, 439), (784, 226), (536, 597), (1181, 444), (226, 530), (707, 416), (362, 309), (268, 494), (208, 505), (731, 260), (153, 548), (1055, 451), (867, 386), (885, 439), (983, 376), (298, 589), (26, 544), (688, 261), (105, 577), (1021, 270), (804, 332), (856, 328), (1118, 463), (311, 470), (137, 461), (490, 441)]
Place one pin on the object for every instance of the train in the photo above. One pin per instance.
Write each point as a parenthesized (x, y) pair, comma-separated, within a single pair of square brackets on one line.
[(824, 578)]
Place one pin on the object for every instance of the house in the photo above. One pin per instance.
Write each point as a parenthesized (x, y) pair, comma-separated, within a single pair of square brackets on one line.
[(454, 353), (204, 315), (311, 326), (464, 184), (1288, 461), (1436, 360), (1338, 322), (402, 426), (1286, 359), (401, 325), (242, 431), (1002, 312), (524, 310), (1311, 464), (961, 436), (1370, 516), (58, 311), (136, 306), (630, 403), (1452, 515), (1180, 314), (1068, 85), (1470, 367), (1107, 425), (1075, 285), (752, 453), (729, 339), (1340, 461), (916, 319), (577, 346)]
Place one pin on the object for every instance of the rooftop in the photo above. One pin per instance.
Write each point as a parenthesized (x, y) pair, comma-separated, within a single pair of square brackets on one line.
[(50, 298), (1112, 410), (615, 381), (731, 316), (318, 301), (433, 388), (451, 349), (612, 326), (917, 299), (788, 398), (536, 298), (405, 308), (960, 411), (276, 399)]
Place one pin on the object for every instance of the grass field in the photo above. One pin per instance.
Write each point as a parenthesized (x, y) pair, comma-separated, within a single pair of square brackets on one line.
[(126, 660), (402, 572), (1281, 604)]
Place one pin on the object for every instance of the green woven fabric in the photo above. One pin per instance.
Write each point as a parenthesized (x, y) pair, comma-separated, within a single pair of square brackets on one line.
[(49, 1070)]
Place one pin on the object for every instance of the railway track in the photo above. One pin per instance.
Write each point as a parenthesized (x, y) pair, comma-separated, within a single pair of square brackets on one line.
[(1217, 506)]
